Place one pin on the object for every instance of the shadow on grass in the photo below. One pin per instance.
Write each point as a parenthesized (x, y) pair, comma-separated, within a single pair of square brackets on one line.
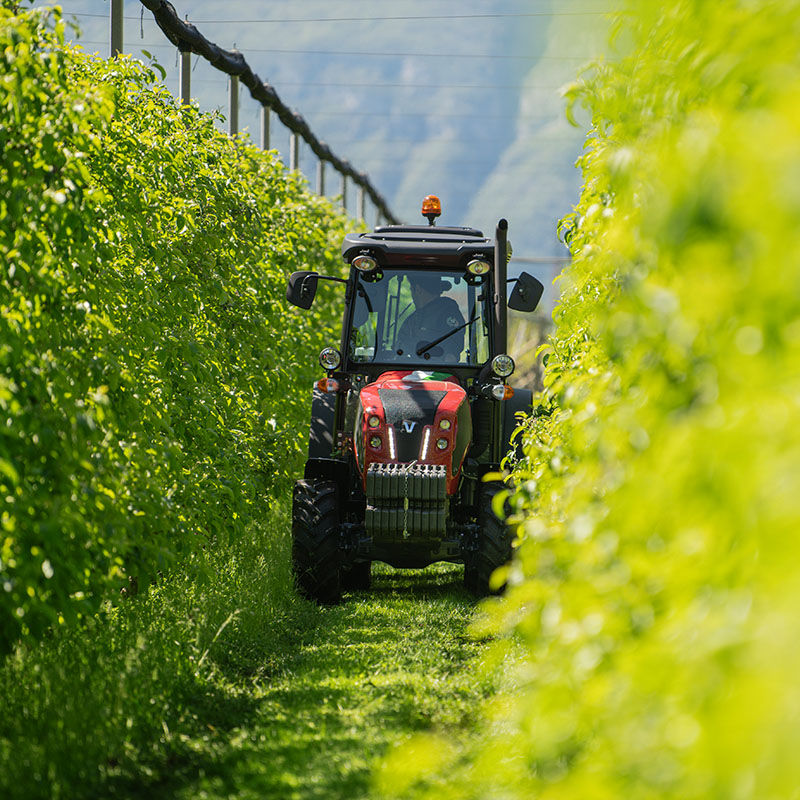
[(348, 682)]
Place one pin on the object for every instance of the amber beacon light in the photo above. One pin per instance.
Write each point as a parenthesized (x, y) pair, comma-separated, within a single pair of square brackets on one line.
[(431, 208)]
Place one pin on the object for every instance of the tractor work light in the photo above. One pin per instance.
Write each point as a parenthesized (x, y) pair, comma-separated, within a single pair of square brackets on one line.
[(478, 266), (365, 263), (329, 358), (502, 365), (442, 444), (374, 422)]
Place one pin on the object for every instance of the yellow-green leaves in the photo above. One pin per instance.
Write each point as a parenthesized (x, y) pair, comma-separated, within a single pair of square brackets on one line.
[(144, 338), (661, 539)]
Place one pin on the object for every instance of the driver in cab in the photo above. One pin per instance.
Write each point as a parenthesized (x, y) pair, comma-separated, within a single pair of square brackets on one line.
[(433, 316)]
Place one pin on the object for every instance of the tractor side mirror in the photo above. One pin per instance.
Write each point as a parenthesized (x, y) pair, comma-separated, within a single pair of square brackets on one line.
[(302, 288), (527, 293)]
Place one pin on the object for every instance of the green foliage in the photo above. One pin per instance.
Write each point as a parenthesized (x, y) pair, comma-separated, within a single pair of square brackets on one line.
[(656, 589), (153, 383), (94, 709)]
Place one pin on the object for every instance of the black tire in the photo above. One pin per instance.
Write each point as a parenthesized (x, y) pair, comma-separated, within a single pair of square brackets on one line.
[(357, 577), (316, 555), (493, 545)]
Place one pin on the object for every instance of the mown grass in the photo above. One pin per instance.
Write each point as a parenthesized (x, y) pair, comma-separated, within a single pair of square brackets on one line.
[(220, 682)]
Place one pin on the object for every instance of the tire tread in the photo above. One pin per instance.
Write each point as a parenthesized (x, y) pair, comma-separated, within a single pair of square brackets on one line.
[(494, 545), (316, 556)]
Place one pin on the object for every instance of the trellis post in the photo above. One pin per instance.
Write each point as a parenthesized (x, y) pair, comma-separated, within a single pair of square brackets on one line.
[(321, 178), (361, 203), (185, 79), (233, 105), (116, 26), (344, 192), (264, 127), (294, 151)]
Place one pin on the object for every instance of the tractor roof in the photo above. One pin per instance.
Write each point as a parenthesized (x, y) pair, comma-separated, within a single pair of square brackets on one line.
[(402, 244)]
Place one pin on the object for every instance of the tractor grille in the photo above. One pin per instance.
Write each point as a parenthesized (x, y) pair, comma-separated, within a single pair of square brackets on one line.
[(405, 500), (410, 404)]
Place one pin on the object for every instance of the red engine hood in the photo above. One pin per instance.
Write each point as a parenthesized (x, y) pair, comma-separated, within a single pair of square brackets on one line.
[(422, 417)]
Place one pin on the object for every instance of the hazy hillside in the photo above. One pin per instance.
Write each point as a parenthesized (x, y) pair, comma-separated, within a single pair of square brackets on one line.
[(467, 108), (536, 167)]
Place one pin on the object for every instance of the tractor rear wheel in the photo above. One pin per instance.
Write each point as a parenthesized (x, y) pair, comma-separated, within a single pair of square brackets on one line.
[(493, 546), (316, 555)]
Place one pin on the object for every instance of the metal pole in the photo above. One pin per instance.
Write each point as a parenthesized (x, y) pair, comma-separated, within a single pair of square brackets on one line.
[(500, 344), (344, 192), (361, 203), (264, 128), (321, 178), (233, 110), (500, 273), (294, 151), (185, 77), (116, 22)]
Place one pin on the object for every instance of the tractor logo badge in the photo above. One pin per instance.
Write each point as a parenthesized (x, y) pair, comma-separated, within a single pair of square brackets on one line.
[(409, 425)]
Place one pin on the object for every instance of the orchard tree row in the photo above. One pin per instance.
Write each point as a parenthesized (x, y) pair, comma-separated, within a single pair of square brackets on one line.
[(151, 385)]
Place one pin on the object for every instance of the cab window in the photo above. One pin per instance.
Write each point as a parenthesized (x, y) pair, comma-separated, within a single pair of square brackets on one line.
[(393, 318)]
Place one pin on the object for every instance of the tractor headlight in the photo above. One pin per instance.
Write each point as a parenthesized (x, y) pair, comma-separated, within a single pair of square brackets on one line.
[(444, 424), (374, 422), (502, 365), (365, 263), (478, 266), (330, 358), (375, 442), (442, 444)]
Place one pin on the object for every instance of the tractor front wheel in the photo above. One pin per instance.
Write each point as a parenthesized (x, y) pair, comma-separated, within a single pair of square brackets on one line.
[(316, 555), (493, 546)]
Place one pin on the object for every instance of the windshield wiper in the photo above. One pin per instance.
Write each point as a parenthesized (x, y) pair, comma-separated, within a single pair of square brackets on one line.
[(447, 335)]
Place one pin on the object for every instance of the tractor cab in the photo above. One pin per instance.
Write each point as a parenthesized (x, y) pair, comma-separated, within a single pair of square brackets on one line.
[(414, 409)]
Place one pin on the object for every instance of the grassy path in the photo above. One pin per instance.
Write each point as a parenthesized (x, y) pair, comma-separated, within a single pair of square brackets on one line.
[(348, 682), (221, 683)]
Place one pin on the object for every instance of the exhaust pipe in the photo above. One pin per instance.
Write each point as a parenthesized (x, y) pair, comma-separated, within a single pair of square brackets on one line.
[(500, 329), (500, 282)]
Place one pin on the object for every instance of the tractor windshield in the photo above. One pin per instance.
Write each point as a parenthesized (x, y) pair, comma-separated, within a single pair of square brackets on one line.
[(420, 316)]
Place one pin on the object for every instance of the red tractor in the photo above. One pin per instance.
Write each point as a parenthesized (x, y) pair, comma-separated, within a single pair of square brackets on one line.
[(415, 409)]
